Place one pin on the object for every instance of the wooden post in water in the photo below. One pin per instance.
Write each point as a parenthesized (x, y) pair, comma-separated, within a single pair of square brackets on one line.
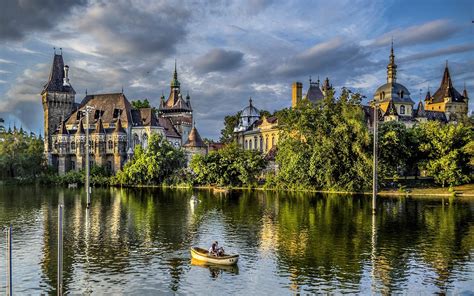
[(9, 261), (60, 249), (374, 185)]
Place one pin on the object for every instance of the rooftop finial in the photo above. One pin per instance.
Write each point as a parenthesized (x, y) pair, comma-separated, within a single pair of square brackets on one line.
[(446, 63), (310, 79), (122, 88), (86, 91), (54, 49), (250, 101)]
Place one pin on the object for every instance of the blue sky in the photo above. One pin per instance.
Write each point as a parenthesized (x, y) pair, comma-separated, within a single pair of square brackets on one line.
[(228, 51)]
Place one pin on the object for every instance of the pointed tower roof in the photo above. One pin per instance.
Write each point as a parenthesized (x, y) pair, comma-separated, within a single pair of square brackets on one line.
[(314, 93), (446, 89), (464, 92), (194, 139), (175, 82), (188, 101), (428, 96), (391, 110), (80, 129), (420, 110), (119, 128), (56, 77), (99, 129)]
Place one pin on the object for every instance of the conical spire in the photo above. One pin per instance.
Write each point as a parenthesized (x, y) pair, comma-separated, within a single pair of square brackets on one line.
[(392, 68), (175, 82), (420, 111), (194, 139), (464, 92), (428, 96)]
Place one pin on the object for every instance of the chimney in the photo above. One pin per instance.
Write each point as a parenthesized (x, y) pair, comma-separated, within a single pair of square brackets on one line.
[(296, 93), (66, 76)]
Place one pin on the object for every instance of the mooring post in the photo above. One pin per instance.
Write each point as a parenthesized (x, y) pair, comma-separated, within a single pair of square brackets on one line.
[(374, 185), (9, 260), (60, 249)]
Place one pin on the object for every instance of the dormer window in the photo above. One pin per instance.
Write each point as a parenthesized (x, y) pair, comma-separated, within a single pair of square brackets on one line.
[(117, 113), (98, 114)]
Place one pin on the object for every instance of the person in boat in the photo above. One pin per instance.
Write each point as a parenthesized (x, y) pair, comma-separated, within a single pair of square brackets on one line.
[(213, 249)]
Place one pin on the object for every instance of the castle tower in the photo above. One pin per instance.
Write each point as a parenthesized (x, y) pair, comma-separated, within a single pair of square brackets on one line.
[(58, 98)]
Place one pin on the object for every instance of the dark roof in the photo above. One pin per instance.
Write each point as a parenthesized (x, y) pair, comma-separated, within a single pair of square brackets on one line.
[(271, 154), (314, 93), (80, 129), (434, 115), (111, 107), (369, 114), (420, 111), (118, 127), (168, 127), (194, 139), (215, 146), (56, 77), (62, 129), (144, 117), (391, 110), (99, 129), (271, 119), (446, 89)]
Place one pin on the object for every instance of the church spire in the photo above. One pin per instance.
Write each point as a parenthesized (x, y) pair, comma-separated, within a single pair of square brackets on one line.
[(392, 67), (175, 83)]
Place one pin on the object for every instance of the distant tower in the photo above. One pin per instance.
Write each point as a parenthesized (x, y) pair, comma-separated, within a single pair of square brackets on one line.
[(58, 99)]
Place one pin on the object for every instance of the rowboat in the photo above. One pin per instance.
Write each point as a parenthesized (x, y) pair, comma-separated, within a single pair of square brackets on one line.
[(203, 255)]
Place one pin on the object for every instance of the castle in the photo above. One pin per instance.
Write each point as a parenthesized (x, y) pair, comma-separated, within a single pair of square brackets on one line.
[(393, 100), (115, 127)]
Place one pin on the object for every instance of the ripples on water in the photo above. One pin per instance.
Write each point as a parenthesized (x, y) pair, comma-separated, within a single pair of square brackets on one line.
[(137, 242)]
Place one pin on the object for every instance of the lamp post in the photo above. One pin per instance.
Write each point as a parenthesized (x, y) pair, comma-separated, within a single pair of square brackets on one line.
[(88, 188), (374, 185)]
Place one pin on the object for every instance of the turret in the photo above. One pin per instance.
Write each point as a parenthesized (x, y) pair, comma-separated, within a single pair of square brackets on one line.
[(392, 68)]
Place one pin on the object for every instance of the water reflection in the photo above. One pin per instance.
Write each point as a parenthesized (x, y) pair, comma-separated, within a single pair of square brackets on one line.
[(138, 241)]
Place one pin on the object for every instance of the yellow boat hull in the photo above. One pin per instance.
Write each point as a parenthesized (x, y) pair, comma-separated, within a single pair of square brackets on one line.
[(203, 255)]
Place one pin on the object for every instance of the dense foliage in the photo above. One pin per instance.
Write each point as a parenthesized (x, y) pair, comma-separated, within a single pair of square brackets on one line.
[(21, 156), (230, 122), (153, 165), (324, 146), (229, 166)]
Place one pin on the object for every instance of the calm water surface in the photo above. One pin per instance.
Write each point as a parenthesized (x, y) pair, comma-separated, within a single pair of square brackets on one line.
[(137, 242)]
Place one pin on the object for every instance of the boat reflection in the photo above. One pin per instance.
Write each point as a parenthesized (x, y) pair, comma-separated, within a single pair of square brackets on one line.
[(216, 270)]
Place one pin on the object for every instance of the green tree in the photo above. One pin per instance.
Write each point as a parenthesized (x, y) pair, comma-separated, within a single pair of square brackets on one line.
[(228, 166), (447, 151), (139, 104), (21, 155), (325, 146), (152, 165), (230, 122)]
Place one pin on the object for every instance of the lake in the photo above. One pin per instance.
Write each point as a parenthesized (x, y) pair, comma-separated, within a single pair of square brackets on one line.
[(137, 242)]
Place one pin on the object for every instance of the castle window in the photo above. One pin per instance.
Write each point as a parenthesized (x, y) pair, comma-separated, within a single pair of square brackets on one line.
[(261, 144), (250, 144), (255, 143), (136, 140), (402, 108), (73, 146), (145, 140), (401, 94), (245, 145), (273, 141), (73, 165), (266, 143), (111, 145), (117, 113)]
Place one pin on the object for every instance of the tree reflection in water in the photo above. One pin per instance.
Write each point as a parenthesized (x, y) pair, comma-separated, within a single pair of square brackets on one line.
[(138, 241)]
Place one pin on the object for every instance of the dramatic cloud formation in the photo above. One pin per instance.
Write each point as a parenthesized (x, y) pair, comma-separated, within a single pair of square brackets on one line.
[(21, 17), (219, 60), (226, 51)]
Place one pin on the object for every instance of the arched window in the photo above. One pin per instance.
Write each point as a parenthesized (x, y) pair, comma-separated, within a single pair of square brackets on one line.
[(145, 140), (261, 144), (273, 141), (246, 144), (266, 144), (255, 143), (401, 94), (402, 108), (73, 146), (110, 145), (136, 140), (383, 95), (250, 144)]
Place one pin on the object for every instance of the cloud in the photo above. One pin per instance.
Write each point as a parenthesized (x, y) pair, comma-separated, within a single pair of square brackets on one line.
[(20, 17), (325, 57), (218, 59), (454, 49), (433, 31)]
